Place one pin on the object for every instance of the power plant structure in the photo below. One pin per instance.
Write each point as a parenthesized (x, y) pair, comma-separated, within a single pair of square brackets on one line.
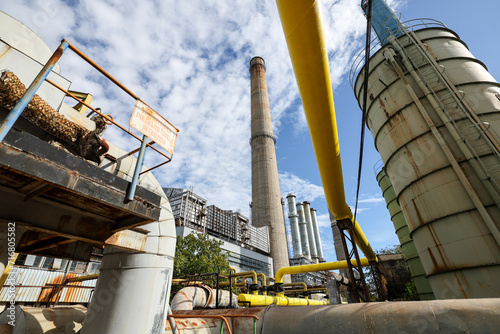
[(433, 110), (246, 246), (267, 209), (300, 240), (86, 211)]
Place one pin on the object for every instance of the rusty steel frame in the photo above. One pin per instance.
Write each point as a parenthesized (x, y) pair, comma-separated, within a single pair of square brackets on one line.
[(187, 316), (355, 284), (111, 120)]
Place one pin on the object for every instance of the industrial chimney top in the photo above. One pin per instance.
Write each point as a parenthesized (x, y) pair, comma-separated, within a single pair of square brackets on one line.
[(257, 61)]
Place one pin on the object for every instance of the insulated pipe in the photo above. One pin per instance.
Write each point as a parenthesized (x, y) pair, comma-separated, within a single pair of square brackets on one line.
[(133, 289), (294, 225), (192, 297), (304, 239), (310, 231), (437, 316), (319, 248), (307, 268), (302, 26)]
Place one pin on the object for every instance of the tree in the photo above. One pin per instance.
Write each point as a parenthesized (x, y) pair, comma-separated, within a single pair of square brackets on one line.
[(198, 254), (398, 284)]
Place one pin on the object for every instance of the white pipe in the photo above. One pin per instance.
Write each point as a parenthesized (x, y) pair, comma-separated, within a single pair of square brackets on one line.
[(132, 292), (193, 297), (294, 225), (317, 238), (303, 231)]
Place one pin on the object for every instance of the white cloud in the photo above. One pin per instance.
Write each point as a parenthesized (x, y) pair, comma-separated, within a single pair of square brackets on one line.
[(372, 199), (303, 189), (189, 61)]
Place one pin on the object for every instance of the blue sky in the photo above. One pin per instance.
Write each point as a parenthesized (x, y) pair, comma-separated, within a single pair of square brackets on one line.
[(189, 61)]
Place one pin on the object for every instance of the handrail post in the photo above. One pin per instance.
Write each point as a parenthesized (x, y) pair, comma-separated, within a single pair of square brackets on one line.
[(137, 171), (14, 114)]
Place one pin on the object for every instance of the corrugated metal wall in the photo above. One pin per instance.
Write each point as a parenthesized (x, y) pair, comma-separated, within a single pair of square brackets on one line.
[(34, 279)]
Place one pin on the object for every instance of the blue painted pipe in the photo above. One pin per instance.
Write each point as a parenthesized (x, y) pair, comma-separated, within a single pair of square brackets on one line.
[(384, 21), (137, 171), (14, 114)]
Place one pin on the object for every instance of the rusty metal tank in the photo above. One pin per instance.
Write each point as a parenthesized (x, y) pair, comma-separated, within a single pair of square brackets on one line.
[(433, 110)]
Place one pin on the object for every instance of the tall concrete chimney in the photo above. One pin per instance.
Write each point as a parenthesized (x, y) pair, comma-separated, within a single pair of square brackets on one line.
[(266, 195)]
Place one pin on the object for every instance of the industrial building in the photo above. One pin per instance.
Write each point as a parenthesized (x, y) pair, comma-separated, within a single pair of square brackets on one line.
[(247, 246), (65, 191)]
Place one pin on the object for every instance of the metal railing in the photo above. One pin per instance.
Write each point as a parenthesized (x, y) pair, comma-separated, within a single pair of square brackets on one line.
[(375, 45), (42, 76)]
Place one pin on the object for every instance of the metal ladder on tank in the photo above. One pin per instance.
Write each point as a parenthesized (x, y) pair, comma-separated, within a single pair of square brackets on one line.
[(478, 143)]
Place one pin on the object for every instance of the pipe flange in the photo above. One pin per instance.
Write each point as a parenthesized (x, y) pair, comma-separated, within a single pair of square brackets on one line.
[(278, 287)]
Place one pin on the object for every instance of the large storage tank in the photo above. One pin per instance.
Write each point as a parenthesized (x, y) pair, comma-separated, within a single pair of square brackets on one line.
[(433, 110)]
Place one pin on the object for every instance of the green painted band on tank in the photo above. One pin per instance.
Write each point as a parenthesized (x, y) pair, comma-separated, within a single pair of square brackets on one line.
[(403, 232)]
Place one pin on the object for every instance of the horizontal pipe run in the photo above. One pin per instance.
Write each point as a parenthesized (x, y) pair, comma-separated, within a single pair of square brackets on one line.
[(259, 300), (82, 278), (314, 268)]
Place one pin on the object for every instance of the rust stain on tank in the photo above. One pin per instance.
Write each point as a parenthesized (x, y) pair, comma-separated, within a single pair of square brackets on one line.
[(433, 259), (194, 323), (382, 106)]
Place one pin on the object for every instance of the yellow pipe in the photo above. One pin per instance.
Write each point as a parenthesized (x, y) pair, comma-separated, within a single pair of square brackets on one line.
[(268, 282), (302, 25), (259, 300), (250, 274), (263, 277), (307, 268), (7, 269), (242, 283)]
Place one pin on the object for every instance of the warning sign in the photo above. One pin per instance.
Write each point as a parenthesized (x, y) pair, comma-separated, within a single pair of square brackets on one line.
[(154, 126)]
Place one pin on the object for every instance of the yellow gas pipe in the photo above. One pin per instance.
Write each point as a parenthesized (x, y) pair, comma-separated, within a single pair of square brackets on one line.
[(313, 268), (259, 300), (302, 25), (245, 274)]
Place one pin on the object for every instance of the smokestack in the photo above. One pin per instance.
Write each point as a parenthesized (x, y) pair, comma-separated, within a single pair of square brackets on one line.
[(384, 21), (304, 239), (317, 238), (266, 195), (310, 231), (294, 225)]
